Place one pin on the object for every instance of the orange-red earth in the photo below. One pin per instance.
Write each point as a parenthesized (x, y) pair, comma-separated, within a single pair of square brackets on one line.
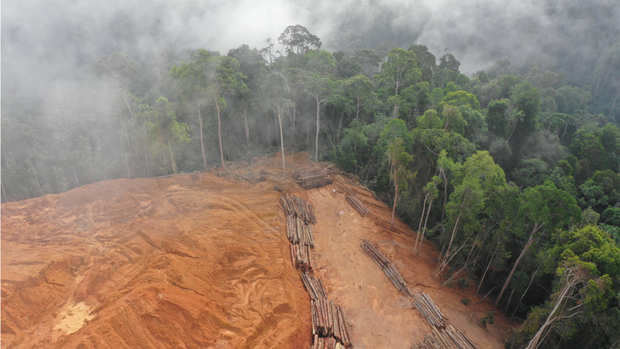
[(201, 261)]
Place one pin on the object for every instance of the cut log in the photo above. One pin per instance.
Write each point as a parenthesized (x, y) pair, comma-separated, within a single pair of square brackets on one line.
[(356, 204), (386, 266)]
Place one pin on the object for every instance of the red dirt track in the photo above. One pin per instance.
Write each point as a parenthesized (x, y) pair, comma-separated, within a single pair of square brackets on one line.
[(202, 261)]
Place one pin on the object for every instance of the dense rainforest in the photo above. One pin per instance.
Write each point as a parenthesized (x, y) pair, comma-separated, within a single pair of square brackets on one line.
[(512, 171)]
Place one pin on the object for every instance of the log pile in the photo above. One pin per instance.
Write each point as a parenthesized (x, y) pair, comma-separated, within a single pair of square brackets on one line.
[(356, 204), (299, 215), (326, 343), (328, 321), (444, 335), (300, 256), (390, 271), (296, 206), (322, 317), (313, 178), (329, 328), (313, 286), (299, 232), (429, 310)]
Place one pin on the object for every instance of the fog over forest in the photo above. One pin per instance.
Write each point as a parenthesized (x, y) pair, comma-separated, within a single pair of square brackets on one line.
[(46, 41)]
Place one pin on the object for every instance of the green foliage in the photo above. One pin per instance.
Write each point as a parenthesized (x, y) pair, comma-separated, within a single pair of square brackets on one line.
[(399, 71), (530, 172), (453, 119), (611, 216), (497, 117), (586, 258), (430, 119), (548, 205), (600, 191), (298, 40), (461, 98)]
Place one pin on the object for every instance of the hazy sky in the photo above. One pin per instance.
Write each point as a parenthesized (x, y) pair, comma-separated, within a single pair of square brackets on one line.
[(47, 40)]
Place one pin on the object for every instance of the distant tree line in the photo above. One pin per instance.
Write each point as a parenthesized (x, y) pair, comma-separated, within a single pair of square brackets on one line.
[(510, 173)]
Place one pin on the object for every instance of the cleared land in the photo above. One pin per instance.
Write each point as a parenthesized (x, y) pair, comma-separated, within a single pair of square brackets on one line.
[(202, 260)]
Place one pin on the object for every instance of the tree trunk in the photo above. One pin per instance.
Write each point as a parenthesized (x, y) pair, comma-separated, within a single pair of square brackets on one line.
[(395, 110), (339, 128), (173, 163), (397, 86), (395, 197), (445, 192), (512, 292), (428, 212), (5, 194), (421, 222), (246, 127), (125, 154), (456, 224), (125, 133), (536, 340), (318, 124), (487, 269), (219, 132), (35, 172), (357, 108), (525, 292), (147, 163), (281, 139), (202, 142), (75, 176), (529, 242), (465, 265), (294, 118)]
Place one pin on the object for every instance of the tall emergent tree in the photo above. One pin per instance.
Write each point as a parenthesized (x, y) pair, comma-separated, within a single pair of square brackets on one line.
[(318, 83), (399, 160)]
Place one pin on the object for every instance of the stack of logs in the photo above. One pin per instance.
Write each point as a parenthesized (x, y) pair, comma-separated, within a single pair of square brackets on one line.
[(313, 286), (329, 330), (390, 271), (356, 204), (447, 338), (299, 217), (295, 206), (429, 310), (328, 322), (313, 178), (444, 335)]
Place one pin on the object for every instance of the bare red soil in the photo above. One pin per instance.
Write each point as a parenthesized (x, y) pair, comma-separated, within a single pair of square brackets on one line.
[(201, 261)]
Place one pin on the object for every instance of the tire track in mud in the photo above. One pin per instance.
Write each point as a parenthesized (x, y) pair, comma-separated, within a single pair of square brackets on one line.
[(169, 265)]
